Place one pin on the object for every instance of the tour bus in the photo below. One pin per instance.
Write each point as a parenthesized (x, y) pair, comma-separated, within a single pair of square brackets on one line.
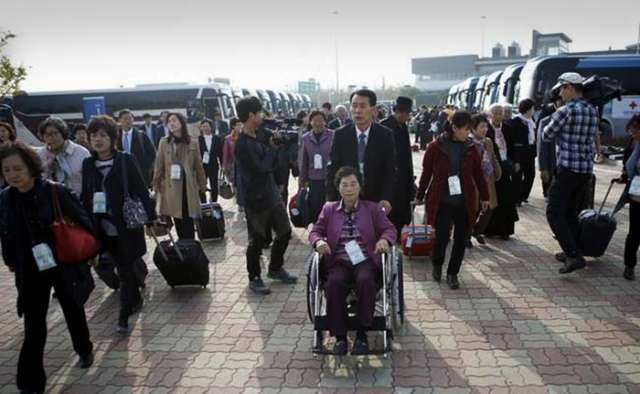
[(307, 101), (466, 93), (296, 103), (508, 82), (479, 93), (491, 88), (237, 94), (265, 99), (540, 74), (194, 101), (285, 104), (276, 101), (452, 98)]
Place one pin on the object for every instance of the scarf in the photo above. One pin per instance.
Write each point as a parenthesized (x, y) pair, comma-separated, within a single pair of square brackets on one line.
[(61, 167), (485, 163)]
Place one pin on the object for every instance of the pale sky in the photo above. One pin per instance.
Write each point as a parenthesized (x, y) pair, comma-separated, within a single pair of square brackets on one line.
[(84, 44)]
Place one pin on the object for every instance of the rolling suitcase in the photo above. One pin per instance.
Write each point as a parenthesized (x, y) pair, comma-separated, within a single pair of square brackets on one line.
[(596, 228), (211, 224), (299, 209), (181, 263), (417, 240)]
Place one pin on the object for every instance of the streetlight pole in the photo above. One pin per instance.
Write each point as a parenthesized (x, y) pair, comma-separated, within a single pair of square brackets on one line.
[(335, 45), (483, 18)]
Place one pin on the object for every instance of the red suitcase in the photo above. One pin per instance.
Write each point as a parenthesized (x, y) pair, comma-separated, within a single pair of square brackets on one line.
[(417, 240)]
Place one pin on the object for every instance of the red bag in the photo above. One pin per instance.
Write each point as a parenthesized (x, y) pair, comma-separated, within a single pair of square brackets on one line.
[(74, 244), (417, 240)]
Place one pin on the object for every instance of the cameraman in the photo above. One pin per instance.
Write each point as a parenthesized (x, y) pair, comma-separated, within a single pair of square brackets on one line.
[(286, 145), (573, 127), (255, 165)]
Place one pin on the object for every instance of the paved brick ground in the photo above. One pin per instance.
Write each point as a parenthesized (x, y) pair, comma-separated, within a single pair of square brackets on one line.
[(516, 326)]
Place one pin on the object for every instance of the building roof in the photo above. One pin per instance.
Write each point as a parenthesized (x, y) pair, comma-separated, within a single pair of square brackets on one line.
[(562, 36), (443, 64)]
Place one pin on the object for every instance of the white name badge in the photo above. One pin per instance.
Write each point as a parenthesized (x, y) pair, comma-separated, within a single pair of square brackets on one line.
[(99, 202), (634, 188), (355, 253), (317, 162), (454, 186), (44, 257), (205, 158), (175, 172)]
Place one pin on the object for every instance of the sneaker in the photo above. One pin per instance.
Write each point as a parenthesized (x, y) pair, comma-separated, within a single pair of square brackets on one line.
[(480, 239), (360, 347), (629, 273), (283, 276), (340, 347), (573, 264), (123, 324), (561, 257), (258, 287), (85, 361), (452, 281)]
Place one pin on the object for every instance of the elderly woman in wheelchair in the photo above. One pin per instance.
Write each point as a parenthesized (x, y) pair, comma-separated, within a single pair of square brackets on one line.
[(351, 235)]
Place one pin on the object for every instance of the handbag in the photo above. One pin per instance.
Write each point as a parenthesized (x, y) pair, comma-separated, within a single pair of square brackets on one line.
[(73, 243), (133, 212), (225, 189)]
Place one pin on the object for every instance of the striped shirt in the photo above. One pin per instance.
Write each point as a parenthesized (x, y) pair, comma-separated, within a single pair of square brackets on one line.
[(573, 127), (349, 232)]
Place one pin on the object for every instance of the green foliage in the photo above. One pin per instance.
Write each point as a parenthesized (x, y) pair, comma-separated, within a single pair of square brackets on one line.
[(11, 75)]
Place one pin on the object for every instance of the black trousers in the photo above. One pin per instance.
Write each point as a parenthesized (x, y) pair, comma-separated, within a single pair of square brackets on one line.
[(130, 281), (547, 185), (565, 194), (528, 175), (185, 227), (213, 185), (342, 273), (448, 215), (633, 238), (36, 296), (260, 223), (317, 198)]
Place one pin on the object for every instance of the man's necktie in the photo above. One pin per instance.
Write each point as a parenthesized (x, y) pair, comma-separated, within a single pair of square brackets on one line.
[(362, 146)]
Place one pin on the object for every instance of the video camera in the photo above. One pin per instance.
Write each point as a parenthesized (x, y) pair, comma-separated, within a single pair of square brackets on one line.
[(598, 91), (282, 131)]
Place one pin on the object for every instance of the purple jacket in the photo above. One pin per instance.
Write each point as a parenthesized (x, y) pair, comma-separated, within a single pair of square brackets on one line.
[(310, 148), (373, 225)]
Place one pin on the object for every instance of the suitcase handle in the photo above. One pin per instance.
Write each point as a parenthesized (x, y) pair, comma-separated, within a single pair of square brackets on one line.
[(173, 243)]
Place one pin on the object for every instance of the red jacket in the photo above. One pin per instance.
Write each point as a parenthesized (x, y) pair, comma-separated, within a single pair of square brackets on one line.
[(435, 175)]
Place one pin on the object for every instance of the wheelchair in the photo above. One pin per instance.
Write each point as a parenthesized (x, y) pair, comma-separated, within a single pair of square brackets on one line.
[(389, 309)]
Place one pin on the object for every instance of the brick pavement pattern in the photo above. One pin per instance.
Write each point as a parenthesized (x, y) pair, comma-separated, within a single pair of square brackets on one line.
[(515, 326)]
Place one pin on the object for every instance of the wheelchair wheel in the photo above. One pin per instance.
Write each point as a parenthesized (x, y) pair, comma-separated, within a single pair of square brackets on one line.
[(312, 283), (398, 292)]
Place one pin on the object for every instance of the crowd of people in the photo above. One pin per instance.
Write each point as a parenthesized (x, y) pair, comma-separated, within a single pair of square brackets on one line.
[(112, 179)]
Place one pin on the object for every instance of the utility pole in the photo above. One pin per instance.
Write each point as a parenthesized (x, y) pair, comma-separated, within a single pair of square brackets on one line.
[(638, 46), (483, 18), (335, 44)]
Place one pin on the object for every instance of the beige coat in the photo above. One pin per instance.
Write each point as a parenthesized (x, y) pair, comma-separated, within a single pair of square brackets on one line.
[(495, 176), (188, 156)]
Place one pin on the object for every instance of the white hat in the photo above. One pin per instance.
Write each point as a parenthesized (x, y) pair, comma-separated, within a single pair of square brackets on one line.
[(569, 78)]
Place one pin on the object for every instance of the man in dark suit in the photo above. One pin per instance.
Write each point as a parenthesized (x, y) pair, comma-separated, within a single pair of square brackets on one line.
[(162, 129), (137, 143), (405, 188), (151, 130), (369, 148), (211, 154), (220, 126), (341, 119)]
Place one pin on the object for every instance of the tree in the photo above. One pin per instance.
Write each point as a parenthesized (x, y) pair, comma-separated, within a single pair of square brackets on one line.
[(10, 75)]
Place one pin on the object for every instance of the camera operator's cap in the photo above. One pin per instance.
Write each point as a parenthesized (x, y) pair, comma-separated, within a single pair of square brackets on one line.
[(570, 78)]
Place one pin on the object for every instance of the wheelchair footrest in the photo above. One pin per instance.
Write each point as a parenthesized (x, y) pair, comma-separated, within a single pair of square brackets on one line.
[(379, 323), (375, 352)]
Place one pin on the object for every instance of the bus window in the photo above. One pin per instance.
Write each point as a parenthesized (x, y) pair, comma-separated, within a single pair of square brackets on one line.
[(211, 106)]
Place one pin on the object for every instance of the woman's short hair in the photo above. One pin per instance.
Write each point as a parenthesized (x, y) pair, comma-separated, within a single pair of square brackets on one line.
[(459, 119), (525, 105), (301, 115), (233, 122), (55, 122), (108, 125), (10, 129), (633, 123), (184, 138), (345, 172), (28, 155), (477, 119), (317, 112)]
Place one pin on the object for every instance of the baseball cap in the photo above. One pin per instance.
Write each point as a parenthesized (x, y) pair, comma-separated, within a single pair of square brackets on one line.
[(571, 78)]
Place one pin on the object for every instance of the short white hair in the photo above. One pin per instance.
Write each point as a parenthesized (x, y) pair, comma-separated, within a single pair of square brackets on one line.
[(340, 107), (495, 107)]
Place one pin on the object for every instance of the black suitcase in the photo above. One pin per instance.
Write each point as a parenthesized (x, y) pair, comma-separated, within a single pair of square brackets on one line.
[(211, 224), (596, 228), (181, 263)]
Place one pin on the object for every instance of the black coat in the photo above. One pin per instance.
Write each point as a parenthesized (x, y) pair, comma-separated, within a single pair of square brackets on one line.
[(17, 252), (379, 162), (143, 150), (215, 156), (157, 132), (131, 243), (518, 135), (405, 188), (335, 123)]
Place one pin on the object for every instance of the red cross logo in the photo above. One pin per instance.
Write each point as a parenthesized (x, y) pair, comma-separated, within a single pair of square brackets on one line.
[(633, 105)]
